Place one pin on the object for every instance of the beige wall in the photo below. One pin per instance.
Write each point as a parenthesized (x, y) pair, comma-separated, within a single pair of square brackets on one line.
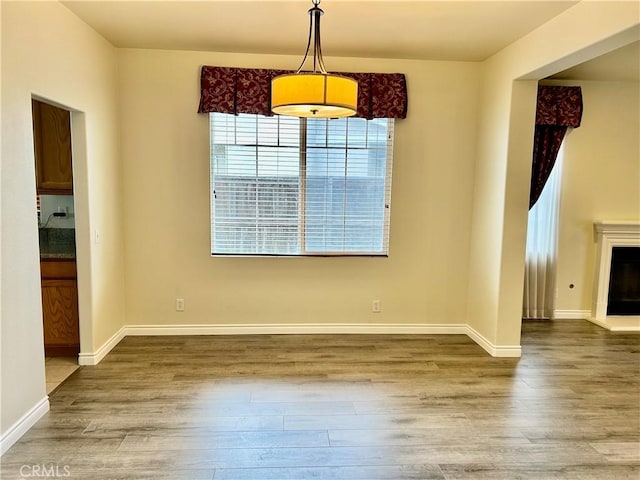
[(49, 53), (458, 212), (165, 147), (601, 181), (503, 160)]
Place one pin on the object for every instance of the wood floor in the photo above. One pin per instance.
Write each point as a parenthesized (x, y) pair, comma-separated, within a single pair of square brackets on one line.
[(347, 407)]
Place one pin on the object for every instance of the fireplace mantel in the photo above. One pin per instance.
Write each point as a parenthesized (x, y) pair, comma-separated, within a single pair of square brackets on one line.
[(610, 234), (618, 228)]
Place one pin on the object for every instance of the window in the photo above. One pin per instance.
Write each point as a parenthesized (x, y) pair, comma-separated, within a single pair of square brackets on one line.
[(290, 186)]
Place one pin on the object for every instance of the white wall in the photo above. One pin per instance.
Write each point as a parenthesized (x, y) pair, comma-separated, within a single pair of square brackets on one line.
[(601, 181), (503, 161), (49, 53), (49, 204), (165, 147)]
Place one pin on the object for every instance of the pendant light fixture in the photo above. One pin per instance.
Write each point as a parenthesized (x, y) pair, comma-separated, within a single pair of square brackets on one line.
[(316, 94)]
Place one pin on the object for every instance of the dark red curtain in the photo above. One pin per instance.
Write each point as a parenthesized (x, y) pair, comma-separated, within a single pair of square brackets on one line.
[(557, 109), (248, 90)]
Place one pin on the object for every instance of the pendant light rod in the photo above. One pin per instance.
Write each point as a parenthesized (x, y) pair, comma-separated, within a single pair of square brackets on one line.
[(314, 34)]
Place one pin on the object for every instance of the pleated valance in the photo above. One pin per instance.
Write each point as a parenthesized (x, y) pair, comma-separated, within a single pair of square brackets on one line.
[(557, 109), (560, 106), (248, 90)]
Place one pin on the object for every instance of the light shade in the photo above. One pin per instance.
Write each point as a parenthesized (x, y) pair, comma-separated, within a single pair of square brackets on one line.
[(316, 95)]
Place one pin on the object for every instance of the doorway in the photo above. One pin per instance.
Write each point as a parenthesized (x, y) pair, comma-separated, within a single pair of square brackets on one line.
[(55, 208)]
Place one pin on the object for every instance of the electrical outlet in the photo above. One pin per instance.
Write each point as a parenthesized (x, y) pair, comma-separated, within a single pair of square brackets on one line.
[(179, 304), (375, 306)]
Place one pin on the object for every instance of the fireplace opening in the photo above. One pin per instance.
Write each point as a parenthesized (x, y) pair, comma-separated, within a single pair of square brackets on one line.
[(624, 282)]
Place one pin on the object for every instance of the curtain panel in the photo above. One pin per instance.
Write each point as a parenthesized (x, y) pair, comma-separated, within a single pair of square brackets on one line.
[(248, 90), (542, 249), (558, 108)]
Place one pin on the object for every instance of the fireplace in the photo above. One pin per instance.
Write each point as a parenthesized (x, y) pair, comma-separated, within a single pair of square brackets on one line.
[(616, 303), (624, 282)]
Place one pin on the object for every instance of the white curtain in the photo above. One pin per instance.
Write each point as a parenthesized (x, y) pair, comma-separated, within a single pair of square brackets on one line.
[(542, 247)]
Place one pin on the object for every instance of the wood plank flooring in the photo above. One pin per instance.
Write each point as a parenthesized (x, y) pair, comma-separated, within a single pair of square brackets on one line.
[(344, 407)]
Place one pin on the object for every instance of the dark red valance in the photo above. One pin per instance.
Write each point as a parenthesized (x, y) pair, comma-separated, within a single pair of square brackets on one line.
[(560, 106), (248, 90)]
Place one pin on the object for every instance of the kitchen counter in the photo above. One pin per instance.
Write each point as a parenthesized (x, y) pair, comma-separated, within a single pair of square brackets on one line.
[(58, 256), (57, 243)]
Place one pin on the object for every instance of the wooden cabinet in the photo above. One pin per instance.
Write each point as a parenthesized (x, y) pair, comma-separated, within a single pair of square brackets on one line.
[(52, 148), (60, 308)]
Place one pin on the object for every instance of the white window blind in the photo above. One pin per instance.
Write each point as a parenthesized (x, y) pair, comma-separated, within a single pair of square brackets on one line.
[(290, 186)]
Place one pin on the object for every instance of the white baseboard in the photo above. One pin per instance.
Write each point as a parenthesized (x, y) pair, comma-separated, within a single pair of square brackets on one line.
[(328, 329), (299, 329), (571, 314), (28, 420), (295, 329), (95, 357), (493, 350)]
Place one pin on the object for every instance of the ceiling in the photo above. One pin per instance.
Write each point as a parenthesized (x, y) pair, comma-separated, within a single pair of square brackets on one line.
[(418, 29), (621, 65)]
